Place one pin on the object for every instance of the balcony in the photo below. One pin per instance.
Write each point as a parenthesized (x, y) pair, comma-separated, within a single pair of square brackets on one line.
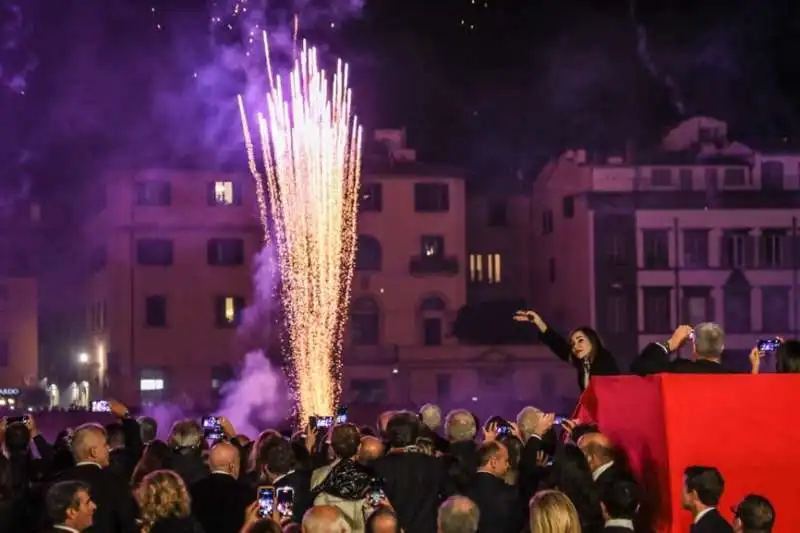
[(382, 354), (433, 265)]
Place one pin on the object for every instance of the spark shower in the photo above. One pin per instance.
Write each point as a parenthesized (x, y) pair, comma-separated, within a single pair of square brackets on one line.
[(310, 143)]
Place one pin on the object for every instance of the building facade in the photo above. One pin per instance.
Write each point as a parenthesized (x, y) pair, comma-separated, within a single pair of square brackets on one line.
[(19, 337), (701, 229)]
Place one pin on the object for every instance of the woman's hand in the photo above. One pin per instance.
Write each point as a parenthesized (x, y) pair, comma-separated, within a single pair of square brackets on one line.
[(528, 315)]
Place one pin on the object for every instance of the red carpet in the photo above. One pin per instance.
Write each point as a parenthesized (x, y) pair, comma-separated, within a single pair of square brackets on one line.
[(741, 424)]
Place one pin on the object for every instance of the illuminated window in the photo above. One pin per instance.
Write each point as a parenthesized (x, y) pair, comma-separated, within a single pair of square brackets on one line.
[(228, 310), (486, 268), (475, 268), (151, 384), (493, 268), (223, 193)]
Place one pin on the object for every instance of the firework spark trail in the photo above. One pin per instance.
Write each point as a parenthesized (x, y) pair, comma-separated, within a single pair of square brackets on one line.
[(311, 147)]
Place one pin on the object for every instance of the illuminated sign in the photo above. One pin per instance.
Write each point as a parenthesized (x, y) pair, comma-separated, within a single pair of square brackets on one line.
[(9, 392)]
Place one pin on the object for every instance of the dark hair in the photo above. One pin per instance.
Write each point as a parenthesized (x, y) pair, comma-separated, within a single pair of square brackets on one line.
[(592, 336), (148, 428), (367, 431), (379, 513), (264, 525), (155, 457), (571, 475), (345, 440), (487, 451), (115, 433), (402, 430), (756, 513), (62, 497), (280, 457), (17, 439), (583, 429), (620, 498), (707, 482), (788, 354), (514, 447)]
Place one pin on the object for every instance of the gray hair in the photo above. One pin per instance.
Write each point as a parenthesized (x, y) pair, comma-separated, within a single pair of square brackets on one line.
[(458, 514), (431, 416), (80, 438), (527, 420), (148, 428), (709, 339), (185, 434), (460, 425), (319, 520)]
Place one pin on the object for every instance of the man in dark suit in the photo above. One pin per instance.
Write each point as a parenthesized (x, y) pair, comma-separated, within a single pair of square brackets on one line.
[(116, 510), (755, 514), (602, 459), (219, 500), (462, 459), (619, 502), (708, 344), (69, 506), (281, 469), (431, 417), (498, 502), (702, 489)]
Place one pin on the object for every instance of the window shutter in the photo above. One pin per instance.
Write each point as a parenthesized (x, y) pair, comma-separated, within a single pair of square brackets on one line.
[(211, 196)]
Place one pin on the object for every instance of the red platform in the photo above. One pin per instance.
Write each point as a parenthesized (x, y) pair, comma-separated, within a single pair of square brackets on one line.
[(744, 425)]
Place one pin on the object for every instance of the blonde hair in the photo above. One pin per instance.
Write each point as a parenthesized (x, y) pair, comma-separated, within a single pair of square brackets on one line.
[(552, 511), (162, 494)]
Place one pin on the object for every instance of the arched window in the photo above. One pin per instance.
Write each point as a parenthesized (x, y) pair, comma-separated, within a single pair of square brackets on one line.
[(365, 321), (432, 311), (368, 253)]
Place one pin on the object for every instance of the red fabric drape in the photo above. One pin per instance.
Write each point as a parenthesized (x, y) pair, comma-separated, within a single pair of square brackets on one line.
[(741, 424)]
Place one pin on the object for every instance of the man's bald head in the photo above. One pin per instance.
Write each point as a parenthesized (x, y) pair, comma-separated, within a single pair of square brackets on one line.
[(383, 520), (325, 519), (458, 514), (90, 444), (224, 457), (598, 449), (371, 448)]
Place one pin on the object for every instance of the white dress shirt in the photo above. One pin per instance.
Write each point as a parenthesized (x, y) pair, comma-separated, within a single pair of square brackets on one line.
[(65, 528), (702, 513), (620, 522), (597, 473)]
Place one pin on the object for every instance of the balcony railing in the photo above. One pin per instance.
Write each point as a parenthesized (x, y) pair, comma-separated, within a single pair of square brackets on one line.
[(433, 265), (380, 354)]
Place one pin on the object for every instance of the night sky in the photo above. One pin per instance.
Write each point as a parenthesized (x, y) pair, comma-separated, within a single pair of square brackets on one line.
[(493, 85)]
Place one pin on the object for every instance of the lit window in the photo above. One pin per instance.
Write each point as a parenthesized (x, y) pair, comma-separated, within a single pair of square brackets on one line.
[(151, 384), (230, 309), (475, 268), (494, 268), (223, 192)]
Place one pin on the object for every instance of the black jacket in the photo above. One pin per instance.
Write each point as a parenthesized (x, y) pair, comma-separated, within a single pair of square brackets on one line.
[(116, 510), (711, 522), (602, 364), (219, 502), (655, 359)]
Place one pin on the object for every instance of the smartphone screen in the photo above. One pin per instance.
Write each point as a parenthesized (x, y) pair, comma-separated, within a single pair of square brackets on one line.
[(341, 415), (324, 422), (557, 421), (504, 429), (768, 345), (285, 498), (12, 419), (266, 501), (101, 406), (212, 427), (375, 496)]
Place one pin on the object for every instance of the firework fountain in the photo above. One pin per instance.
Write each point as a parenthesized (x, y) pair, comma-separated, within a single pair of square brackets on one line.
[(310, 142)]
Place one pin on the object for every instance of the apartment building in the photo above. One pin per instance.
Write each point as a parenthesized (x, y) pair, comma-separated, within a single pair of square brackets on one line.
[(18, 333), (701, 228)]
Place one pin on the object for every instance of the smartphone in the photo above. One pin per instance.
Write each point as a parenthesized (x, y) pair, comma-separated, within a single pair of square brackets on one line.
[(324, 422), (691, 335), (285, 498), (504, 428), (768, 345), (101, 406), (12, 419), (212, 427), (375, 495), (557, 421), (341, 415), (266, 501)]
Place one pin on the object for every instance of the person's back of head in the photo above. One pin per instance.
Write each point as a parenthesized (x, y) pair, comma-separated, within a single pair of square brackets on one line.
[(17, 439), (185, 435), (460, 426), (705, 483), (619, 500), (280, 458), (458, 514), (148, 428), (325, 519), (755, 514), (263, 525), (115, 433), (345, 440), (552, 511), (382, 520), (402, 429), (431, 416), (709, 340), (527, 419), (788, 355), (514, 447), (85, 439)]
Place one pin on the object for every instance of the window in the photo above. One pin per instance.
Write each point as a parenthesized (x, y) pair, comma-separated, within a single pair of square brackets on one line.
[(551, 269), (617, 251), (154, 252), (228, 311), (153, 193), (369, 256), (432, 331), (494, 268), (773, 250), (444, 385), (695, 248), (775, 309), (224, 193), (736, 249), (152, 385), (712, 180), (568, 206), (616, 319), (547, 222), (225, 252), (475, 268), (220, 375), (371, 200), (365, 322), (431, 197), (734, 177), (498, 214), (686, 179), (737, 308), (772, 175), (368, 391), (432, 246), (4, 353), (697, 305), (656, 248), (661, 177), (657, 309), (155, 311), (98, 258)]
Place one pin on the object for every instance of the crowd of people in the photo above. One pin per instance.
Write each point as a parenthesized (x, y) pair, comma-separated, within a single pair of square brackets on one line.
[(537, 473)]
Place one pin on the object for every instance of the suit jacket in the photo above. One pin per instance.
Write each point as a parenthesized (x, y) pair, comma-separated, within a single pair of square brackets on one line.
[(219, 502), (415, 484), (116, 510), (711, 522), (498, 502), (617, 529), (655, 359), (603, 363), (300, 481), (616, 472)]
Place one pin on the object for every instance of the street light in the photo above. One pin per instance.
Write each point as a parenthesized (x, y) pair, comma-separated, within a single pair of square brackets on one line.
[(83, 358)]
